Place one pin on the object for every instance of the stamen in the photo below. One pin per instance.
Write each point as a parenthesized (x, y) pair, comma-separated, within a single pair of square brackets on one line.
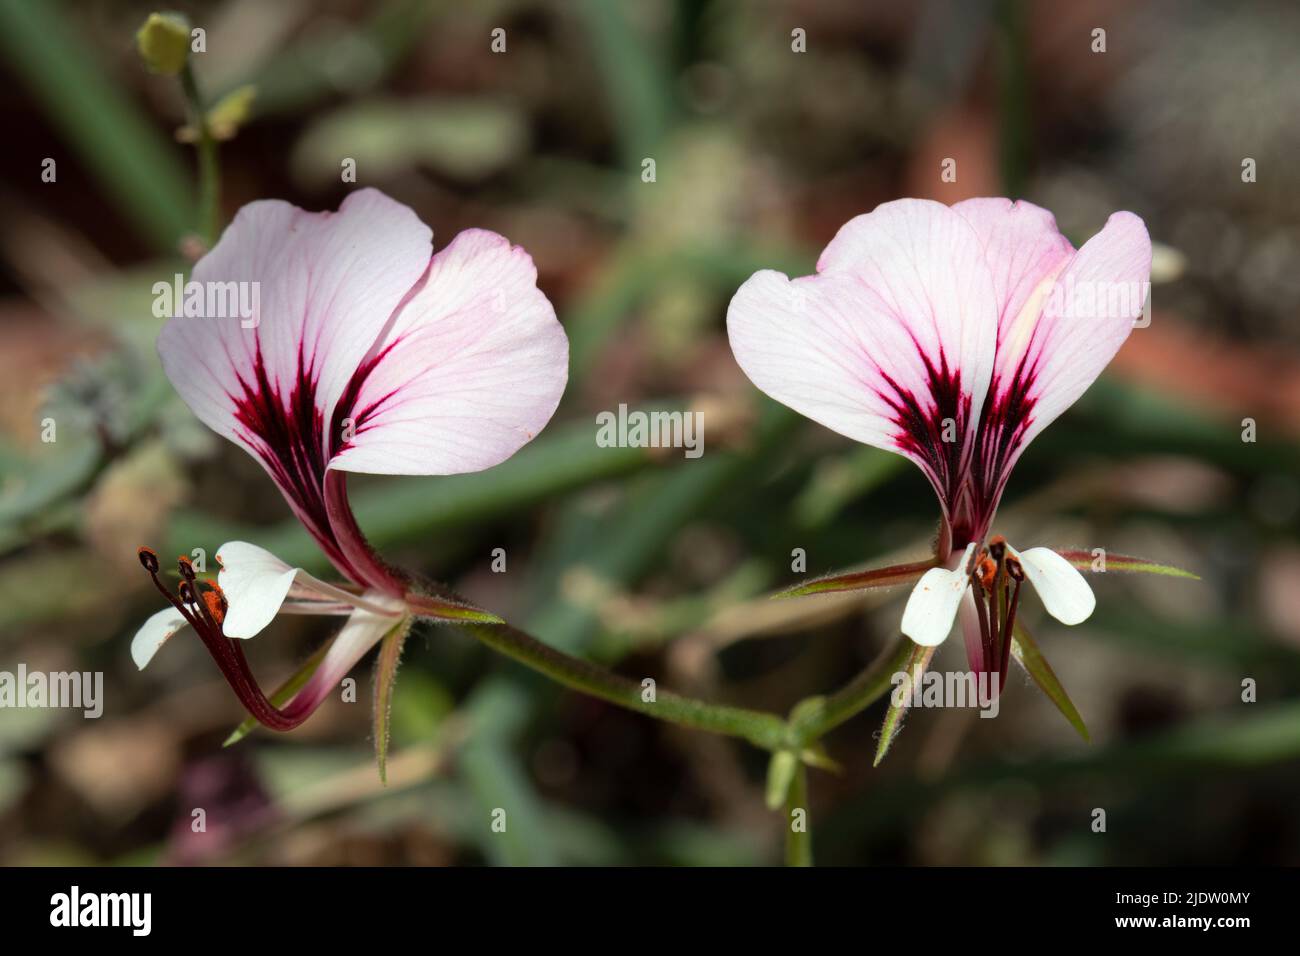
[(981, 612), (1010, 628), (215, 600), (149, 561), (190, 594)]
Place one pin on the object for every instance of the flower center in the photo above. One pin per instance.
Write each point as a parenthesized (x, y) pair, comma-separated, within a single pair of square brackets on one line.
[(203, 606), (995, 580)]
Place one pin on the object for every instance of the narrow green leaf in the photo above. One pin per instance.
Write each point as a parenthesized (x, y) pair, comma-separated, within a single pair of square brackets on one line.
[(282, 693), (1100, 563), (1025, 650), (917, 661), (390, 653), (891, 576), (445, 609), (815, 755)]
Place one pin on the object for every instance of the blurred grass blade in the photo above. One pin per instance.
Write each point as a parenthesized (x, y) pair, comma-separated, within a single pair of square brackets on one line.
[(891, 576), (839, 480), (337, 55), (917, 661), (1087, 560), (636, 83), (390, 653), (123, 149), (1027, 655), (280, 696)]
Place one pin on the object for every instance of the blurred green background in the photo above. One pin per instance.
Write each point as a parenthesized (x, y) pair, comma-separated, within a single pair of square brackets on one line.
[(651, 563)]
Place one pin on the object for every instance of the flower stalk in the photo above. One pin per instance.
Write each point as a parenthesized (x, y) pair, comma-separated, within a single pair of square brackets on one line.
[(764, 730), (798, 834), (815, 717), (206, 146)]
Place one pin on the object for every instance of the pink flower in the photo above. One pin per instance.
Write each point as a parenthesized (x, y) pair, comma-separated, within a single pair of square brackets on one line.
[(953, 336), (366, 353)]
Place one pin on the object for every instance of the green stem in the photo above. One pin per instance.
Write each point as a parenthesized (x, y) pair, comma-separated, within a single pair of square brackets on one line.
[(798, 834), (767, 731), (817, 716), (209, 178)]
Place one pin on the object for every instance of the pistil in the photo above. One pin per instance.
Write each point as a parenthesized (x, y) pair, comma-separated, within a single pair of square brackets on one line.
[(1017, 575)]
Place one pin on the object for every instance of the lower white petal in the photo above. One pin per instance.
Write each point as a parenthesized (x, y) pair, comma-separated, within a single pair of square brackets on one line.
[(256, 584), (154, 633), (1063, 590), (933, 604)]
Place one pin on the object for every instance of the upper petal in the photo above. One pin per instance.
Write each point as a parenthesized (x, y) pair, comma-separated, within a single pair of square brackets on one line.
[(469, 370), (154, 633), (319, 289), (1052, 344), (890, 343), (1063, 590), (1024, 251), (1088, 316)]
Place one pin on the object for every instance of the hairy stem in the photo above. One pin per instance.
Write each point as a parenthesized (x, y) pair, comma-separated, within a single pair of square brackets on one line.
[(817, 716), (764, 730)]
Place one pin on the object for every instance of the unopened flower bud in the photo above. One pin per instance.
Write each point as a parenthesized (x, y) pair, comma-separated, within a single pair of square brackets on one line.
[(164, 43)]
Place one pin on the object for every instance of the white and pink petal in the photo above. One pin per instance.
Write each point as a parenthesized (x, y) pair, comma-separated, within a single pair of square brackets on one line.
[(470, 369), (326, 285), (891, 343), (321, 288), (1024, 251), (1063, 316), (1090, 314)]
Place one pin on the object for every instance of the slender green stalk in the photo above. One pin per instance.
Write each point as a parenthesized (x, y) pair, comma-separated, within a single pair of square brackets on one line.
[(798, 833), (767, 731), (817, 716), (209, 178)]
